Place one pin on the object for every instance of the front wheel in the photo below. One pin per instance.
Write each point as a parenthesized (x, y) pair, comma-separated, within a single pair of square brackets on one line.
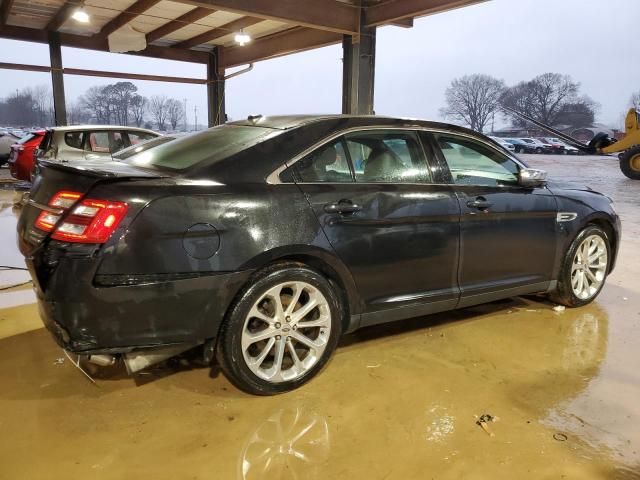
[(281, 330), (584, 268), (539, 150), (630, 163)]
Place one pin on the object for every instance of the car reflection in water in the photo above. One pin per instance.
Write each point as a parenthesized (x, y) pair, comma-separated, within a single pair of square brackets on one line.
[(291, 444)]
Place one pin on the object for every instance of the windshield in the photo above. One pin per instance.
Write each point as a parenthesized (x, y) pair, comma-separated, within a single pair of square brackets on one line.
[(212, 145)]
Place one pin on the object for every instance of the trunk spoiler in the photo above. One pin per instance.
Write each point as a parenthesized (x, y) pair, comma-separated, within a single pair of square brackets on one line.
[(101, 169)]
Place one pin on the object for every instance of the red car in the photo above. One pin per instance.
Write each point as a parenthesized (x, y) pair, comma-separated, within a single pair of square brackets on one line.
[(22, 156)]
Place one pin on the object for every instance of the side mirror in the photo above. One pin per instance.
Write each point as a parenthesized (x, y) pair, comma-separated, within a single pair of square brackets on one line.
[(531, 177)]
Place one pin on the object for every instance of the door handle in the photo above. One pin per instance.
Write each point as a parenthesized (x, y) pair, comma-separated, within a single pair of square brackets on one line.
[(480, 203), (343, 207)]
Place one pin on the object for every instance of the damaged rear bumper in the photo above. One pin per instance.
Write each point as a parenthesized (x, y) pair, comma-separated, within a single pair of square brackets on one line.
[(87, 319)]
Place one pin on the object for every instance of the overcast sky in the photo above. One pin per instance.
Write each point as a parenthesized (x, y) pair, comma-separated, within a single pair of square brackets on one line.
[(594, 41)]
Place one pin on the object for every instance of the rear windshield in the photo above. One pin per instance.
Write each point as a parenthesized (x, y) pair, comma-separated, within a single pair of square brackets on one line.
[(211, 145), (27, 137), (141, 147)]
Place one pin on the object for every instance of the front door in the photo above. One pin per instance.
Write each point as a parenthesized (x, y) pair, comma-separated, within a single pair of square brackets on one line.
[(395, 230), (508, 232)]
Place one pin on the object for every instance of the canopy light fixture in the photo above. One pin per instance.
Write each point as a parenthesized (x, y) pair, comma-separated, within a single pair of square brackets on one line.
[(80, 15), (242, 38)]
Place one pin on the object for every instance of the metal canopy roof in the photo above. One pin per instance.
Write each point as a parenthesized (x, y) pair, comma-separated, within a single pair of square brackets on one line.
[(188, 30)]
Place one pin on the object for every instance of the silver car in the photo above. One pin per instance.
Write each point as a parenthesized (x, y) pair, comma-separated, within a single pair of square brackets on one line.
[(89, 142)]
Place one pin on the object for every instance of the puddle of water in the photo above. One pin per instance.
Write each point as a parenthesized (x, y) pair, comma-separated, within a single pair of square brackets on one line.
[(397, 401)]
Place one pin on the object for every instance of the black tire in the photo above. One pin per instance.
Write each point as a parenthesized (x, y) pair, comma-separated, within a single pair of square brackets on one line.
[(539, 151), (518, 150), (564, 294), (630, 163), (229, 350)]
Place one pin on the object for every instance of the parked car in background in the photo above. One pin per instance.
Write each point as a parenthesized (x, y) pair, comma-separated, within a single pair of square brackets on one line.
[(22, 155), (509, 146), (557, 146), (89, 142), (520, 146), (262, 241), (537, 145), (571, 150), (6, 140)]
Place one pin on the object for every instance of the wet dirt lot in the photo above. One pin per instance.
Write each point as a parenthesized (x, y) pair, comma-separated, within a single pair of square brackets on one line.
[(396, 401)]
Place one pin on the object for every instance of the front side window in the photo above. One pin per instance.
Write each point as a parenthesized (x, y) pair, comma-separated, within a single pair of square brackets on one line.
[(137, 137), (473, 163), (329, 163), (387, 156)]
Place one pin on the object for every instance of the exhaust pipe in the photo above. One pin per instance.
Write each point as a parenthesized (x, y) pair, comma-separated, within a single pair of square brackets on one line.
[(102, 360), (136, 361)]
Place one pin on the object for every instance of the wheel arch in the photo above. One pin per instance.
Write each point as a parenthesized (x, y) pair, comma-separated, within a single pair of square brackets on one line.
[(607, 225), (324, 262)]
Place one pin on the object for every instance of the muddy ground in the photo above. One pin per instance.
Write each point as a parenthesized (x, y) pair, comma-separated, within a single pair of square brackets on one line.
[(397, 401)]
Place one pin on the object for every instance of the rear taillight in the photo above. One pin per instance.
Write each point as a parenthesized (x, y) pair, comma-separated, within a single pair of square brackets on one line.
[(90, 220)]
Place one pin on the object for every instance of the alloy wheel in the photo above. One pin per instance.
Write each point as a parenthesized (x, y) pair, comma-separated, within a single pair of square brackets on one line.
[(589, 267), (286, 331)]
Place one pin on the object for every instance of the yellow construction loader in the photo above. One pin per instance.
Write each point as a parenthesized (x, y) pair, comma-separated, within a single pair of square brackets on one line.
[(628, 146)]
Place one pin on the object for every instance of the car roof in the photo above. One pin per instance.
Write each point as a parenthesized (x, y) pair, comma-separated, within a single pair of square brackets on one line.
[(286, 122), (76, 128)]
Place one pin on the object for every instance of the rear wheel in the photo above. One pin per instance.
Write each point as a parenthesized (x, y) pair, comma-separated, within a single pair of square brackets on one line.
[(630, 163), (584, 268), (281, 331)]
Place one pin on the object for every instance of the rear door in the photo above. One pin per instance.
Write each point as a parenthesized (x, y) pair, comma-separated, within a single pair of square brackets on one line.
[(508, 232), (388, 221)]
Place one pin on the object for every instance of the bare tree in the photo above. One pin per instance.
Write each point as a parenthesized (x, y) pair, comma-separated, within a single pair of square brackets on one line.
[(43, 102), (472, 99), (138, 108), (120, 95), (159, 110), (544, 98), (97, 103), (176, 112), (77, 113)]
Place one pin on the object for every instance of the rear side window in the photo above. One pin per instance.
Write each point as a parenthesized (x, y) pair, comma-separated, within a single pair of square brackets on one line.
[(329, 163), (211, 145), (98, 142), (74, 139)]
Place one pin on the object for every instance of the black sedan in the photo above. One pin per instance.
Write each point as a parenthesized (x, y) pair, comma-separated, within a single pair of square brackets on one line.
[(262, 241)]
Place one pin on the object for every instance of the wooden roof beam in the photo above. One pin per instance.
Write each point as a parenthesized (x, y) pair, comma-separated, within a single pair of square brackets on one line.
[(5, 9), (328, 15), (296, 39), (126, 16), (397, 10), (61, 16), (219, 32), (100, 44), (191, 16)]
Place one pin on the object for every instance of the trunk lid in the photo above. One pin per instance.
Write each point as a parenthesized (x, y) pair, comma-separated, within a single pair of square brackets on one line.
[(53, 177)]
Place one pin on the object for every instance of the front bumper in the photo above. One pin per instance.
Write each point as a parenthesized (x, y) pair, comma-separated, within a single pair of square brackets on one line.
[(85, 318)]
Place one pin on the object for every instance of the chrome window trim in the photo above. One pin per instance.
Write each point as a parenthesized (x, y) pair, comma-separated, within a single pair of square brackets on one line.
[(274, 177)]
